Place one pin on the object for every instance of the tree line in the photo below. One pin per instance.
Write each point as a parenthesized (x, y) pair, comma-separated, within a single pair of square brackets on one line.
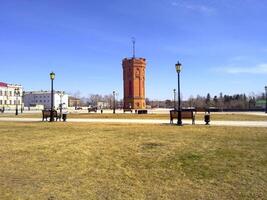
[(221, 101)]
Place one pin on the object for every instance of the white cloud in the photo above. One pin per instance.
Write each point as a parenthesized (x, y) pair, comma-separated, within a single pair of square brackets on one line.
[(194, 7), (200, 8), (259, 69)]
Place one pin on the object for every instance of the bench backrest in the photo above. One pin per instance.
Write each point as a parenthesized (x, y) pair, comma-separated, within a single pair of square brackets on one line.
[(185, 114)]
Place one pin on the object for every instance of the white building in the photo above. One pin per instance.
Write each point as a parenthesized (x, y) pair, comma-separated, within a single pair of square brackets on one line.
[(8, 97), (36, 98)]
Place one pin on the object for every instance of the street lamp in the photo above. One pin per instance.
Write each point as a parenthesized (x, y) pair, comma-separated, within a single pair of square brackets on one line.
[(174, 99), (178, 67), (61, 94), (22, 102), (114, 102), (265, 99), (17, 93), (52, 77)]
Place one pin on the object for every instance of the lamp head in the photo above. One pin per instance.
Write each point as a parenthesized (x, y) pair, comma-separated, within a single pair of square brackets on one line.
[(178, 67), (52, 75), (266, 89)]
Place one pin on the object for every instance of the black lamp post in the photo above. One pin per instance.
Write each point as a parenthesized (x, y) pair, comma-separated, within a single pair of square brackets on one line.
[(265, 99), (114, 103), (178, 67), (174, 99), (17, 94), (52, 77)]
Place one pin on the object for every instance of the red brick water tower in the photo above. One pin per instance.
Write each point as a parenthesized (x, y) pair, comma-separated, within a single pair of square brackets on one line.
[(134, 83)]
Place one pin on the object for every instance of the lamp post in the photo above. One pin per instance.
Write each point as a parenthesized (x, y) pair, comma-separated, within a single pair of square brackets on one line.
[(178, 67), (114, 103), (265, 99), (52, 77), (17, 94), (174, 99), (22, 102), (61, 94)]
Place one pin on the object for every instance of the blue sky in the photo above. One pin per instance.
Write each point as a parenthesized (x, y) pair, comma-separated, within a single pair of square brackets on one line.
[(222, 44)]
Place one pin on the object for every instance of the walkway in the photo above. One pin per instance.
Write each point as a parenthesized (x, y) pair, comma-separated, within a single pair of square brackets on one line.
[(147, 121)]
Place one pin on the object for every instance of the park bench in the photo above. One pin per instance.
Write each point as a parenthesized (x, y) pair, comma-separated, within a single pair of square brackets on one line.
[(141, 111), (47, 113), (127, 110), (186, 114)]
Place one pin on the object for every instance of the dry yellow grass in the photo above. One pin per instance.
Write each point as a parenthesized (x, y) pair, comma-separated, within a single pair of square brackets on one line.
[(93, 161), (199, 116)]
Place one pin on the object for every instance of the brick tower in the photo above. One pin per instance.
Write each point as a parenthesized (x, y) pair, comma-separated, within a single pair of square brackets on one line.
[(134, 83)]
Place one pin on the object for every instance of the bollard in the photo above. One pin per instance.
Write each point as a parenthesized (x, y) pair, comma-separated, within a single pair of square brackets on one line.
[(64, 117), (207, 118)]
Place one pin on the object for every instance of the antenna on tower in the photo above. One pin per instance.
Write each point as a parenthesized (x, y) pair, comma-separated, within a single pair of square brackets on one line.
[(133, 40)]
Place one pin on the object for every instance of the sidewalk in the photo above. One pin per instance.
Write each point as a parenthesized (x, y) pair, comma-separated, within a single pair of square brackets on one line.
[(147, 121)]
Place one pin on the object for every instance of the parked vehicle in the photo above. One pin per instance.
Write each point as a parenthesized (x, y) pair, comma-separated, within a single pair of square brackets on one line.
[(93, 109)]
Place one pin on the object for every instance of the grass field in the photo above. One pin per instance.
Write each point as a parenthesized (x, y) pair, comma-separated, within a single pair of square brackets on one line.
[(199, 116), (120, 161)]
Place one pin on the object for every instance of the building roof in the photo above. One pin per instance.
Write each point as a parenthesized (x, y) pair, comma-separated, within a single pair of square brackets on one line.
[(3, 84), (43, 92), (74, 98)]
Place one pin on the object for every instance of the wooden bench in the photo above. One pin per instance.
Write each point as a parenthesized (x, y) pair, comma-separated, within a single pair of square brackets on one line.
[(186, 114), (141, 111), (47, 113), (127, 110)]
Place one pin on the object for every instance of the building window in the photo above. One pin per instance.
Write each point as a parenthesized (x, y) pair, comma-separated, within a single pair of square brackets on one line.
[(5, 102), (5, 93), (1, 93), (1, 102), (10, 93), (10, 102)]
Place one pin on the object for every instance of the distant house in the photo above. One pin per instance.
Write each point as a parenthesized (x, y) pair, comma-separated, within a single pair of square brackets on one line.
[(74, 102), (35, 98), (103, 104), (261, 103), (8, 97)]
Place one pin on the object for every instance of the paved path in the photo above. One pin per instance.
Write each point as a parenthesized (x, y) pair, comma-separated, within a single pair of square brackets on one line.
[(147, 121)]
